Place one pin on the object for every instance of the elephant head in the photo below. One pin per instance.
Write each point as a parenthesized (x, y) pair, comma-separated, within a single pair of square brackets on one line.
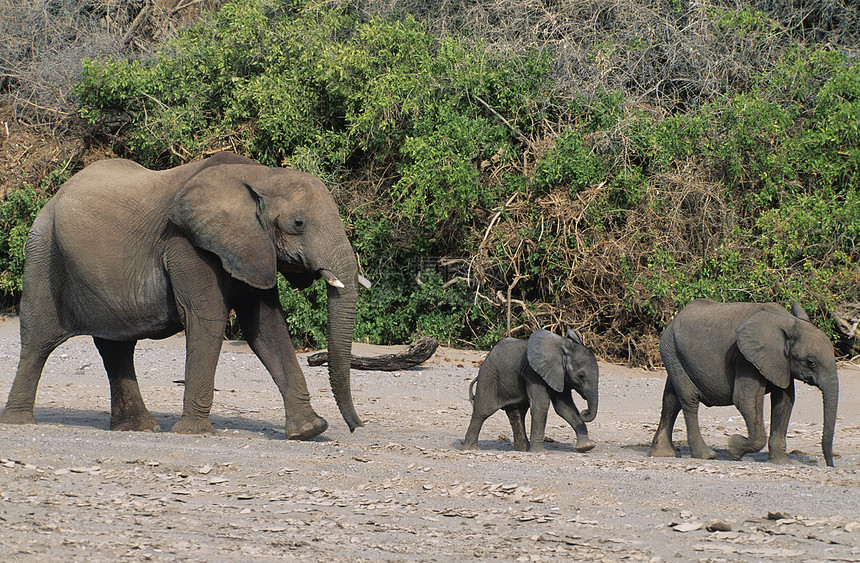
[(565, 363), (782, 347), (261, 221)]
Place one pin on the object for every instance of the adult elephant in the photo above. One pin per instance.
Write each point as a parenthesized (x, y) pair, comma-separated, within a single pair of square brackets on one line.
[(124, 253), (735, 353)]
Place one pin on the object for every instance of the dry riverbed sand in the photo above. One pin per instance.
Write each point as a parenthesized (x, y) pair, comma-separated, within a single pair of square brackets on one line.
[(401, 488)]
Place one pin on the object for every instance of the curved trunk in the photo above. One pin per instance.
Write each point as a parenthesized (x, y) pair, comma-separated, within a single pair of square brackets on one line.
[(591, 412), (830, 398), (341, 321)]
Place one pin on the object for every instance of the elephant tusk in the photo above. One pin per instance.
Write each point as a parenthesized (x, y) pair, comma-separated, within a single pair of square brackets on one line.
[(331, 279), (365, 283)]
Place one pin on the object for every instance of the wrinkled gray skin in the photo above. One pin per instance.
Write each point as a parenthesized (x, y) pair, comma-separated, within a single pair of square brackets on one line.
[(734, 353), (124, 253), (519, 374)]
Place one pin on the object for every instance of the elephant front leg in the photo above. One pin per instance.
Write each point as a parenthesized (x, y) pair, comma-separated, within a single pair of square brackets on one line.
[(781, 404), (128, 411), (566, 409), (748, 397), (262, 321), (202, 349)]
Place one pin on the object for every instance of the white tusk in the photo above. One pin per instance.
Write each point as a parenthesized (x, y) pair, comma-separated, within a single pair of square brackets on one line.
[(331, 279), (364, 281)]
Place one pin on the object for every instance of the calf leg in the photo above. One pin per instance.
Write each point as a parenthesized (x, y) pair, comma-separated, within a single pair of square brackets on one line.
[(517, 416), (781, 403), (661, 444), (748, 397), (566, 409)]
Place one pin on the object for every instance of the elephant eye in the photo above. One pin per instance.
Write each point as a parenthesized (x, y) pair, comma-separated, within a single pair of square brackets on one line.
[(294, 225), (810, 361)]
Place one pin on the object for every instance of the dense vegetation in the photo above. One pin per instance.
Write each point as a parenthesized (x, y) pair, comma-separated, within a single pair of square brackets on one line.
[(595, 173)]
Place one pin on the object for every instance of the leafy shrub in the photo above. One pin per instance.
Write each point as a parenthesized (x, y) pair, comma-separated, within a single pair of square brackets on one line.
[(605, 212), (16, 216)]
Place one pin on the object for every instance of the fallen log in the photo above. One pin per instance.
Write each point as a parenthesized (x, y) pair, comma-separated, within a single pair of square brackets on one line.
[(419, 352)]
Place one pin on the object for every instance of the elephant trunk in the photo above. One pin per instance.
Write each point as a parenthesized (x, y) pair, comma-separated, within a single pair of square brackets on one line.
[(830, 398), (590, 413), (341, 322)]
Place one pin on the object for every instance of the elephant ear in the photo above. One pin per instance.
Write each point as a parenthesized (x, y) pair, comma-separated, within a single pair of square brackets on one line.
[(546, 357), (574, 337), (220, 212), (763, 340), (797, 311)]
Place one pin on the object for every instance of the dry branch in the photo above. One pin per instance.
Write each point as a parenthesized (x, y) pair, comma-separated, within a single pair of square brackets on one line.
[(847, 317), (419, 352)]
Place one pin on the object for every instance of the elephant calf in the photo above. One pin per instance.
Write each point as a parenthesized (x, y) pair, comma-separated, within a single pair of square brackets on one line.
[(519, 374), (735, 353)]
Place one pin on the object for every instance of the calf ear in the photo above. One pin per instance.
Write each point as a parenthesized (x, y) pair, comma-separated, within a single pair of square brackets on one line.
[(575, 337), (797, 311), (218, 210), (546, 357), (763, 339)]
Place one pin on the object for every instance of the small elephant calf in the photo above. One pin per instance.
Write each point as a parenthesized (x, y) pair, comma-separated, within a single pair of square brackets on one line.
[(519, 374)]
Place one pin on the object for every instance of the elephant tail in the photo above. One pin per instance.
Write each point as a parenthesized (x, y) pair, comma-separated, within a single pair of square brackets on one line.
[(472, 390)]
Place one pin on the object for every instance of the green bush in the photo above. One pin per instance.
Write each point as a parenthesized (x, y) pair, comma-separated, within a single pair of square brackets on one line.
[(320, 89), (17, 213), (596, 213)]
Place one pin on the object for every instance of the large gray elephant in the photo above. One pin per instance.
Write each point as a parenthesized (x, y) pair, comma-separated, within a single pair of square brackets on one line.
[(519, 374), (123, 253), (734, 353)]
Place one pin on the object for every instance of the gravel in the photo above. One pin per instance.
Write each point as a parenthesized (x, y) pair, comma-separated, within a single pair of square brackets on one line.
[(401, 488)]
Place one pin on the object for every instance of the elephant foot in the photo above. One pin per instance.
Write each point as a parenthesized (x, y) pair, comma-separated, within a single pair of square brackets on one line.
[(662, 449), (470, 445), (738, 446), (135, 424), (307, 430), (703, 452), (17, 417), (778, 458), (189, 425), (584, 445), (536, 446)]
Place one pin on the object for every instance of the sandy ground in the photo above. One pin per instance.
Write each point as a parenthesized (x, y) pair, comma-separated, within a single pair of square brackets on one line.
[(401, 488)]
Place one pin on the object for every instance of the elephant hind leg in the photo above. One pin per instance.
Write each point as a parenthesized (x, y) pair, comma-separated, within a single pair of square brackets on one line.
[(661, 445), (470, 442), (37, 343), (22, 396), (128, 412), (517, 417), (698, 447)]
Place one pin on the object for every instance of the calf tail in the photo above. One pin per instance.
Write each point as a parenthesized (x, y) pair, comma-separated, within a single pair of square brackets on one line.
[(472, 390)]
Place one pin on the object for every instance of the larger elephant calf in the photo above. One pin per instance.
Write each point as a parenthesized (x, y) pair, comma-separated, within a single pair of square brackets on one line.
[(735, 354), (123, 253)]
